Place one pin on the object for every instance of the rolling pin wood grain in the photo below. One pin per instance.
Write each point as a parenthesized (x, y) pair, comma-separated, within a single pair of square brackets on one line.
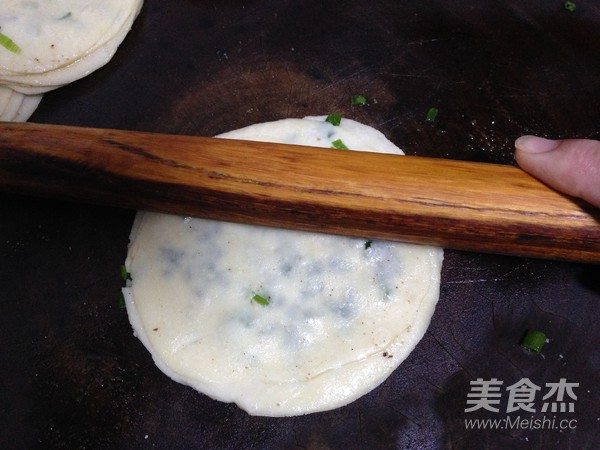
[(454, 204)]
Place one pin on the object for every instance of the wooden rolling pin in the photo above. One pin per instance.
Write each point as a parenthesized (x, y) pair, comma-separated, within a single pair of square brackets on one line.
[(453, 204)]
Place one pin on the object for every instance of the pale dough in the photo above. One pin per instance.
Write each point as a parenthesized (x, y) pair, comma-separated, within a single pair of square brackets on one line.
[(342, 312)]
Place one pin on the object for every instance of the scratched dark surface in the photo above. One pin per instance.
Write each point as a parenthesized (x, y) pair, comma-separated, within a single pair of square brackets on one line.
[(73, 375)]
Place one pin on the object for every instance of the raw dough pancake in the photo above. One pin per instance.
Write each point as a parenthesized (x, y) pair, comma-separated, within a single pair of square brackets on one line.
[(28, 107), (280, 322), (16, 106), (9, 103), (5, 96), (41, 82), (54, 43), (54, 34)]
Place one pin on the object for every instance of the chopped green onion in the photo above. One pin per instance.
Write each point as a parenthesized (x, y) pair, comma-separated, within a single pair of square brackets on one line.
[(368, 244), (358, 100), (570, 6), (121, 303), (125, 274), (261, 300), (339, 144), (431, 114), (334, 119), (9, 44), (533, 341)]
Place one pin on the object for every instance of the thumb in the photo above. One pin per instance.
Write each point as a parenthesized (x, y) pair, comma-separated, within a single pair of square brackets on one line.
[(570, 166)]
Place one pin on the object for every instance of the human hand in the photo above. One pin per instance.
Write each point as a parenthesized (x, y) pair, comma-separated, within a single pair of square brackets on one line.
[(571, 166)]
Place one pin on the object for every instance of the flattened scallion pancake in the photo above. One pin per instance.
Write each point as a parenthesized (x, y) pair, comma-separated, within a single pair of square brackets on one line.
[(280, 322)]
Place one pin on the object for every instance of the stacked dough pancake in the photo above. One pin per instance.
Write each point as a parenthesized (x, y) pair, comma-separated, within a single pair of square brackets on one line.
[(48, 44)]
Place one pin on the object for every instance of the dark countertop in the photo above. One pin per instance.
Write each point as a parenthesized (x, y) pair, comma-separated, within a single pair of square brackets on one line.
[(74, 376)]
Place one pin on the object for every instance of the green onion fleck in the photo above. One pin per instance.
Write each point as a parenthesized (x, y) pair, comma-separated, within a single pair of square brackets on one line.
[(261, 300), (339, 144), (533, 341), (9, 44), (570, 6), (358, 100), (431, 114), (334, 119), (121, 303), (368, 244), (125, 274)]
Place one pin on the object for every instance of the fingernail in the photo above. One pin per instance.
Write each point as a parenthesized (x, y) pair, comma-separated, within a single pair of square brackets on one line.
[(534, 144)]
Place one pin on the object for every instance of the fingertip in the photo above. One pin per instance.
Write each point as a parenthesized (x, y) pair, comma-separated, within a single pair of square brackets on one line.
[(574, 168), (535, 144)]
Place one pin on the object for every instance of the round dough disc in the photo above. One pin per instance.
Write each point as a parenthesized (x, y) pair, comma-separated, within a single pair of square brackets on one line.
[(280, 322)]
